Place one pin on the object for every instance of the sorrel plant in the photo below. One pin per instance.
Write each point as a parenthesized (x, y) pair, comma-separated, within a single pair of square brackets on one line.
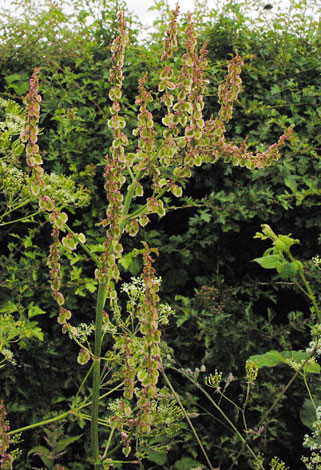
[(136, 184)]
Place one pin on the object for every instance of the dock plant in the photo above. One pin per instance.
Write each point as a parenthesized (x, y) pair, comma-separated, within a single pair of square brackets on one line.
[(143, 171)]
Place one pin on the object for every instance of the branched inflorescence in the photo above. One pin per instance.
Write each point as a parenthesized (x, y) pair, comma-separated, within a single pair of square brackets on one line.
[(214, 145), (29, 134), (115, 164), (149, 369), (6, 459), (57, 218), (189, 140)]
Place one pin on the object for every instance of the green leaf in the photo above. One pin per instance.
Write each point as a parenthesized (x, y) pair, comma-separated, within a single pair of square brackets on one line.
[(91, 285), (63, 443), (187, 463), (126, 260), (130, 262), (269, 359), (160, 458), (289, 270), (270, 261), (205, 216), (307, 412), (43, 453), (34, 310), (10, 307), (291, 358)]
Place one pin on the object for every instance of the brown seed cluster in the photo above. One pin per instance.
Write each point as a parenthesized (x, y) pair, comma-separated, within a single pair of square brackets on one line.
[(6, 460)]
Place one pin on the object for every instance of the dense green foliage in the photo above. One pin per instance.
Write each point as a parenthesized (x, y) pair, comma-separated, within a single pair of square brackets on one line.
[(226, 307)]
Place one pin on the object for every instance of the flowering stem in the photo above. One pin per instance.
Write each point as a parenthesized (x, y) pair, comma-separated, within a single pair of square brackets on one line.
[(29, 216), (128, 200), (233, 427), (87, 250), (188, 420), (101, 299)]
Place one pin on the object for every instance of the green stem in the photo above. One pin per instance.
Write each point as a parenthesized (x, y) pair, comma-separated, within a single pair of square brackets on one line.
[(188, 420), (108, 443), (311, 295), (101, 299), (309, 292), (245, 405), (228, 421), (310, 394), (41, 423), (117, 447), (87, 250), (22, 218), (84, 381), (281, 395), (16, 208)]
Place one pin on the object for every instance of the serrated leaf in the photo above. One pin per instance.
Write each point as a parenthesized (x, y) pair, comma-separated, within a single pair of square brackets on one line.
[(270, 261), (63, 443), (186, 463), (289, 270), (157, 457), (43, 453)]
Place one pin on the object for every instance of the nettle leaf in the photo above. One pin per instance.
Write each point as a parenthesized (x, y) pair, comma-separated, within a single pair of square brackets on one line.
[(271, 261), (284, 242), (187, 463), (158, 457), (63, 443), (43, 453), (290, 269)]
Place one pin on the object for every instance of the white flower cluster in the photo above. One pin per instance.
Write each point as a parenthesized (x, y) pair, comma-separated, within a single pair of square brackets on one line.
[(315, 344), (83, 331), (313, 442), (14, 117), (135, 289), (165, 311), (8, 355), (317, 261), (313, 462), (310, 441)]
